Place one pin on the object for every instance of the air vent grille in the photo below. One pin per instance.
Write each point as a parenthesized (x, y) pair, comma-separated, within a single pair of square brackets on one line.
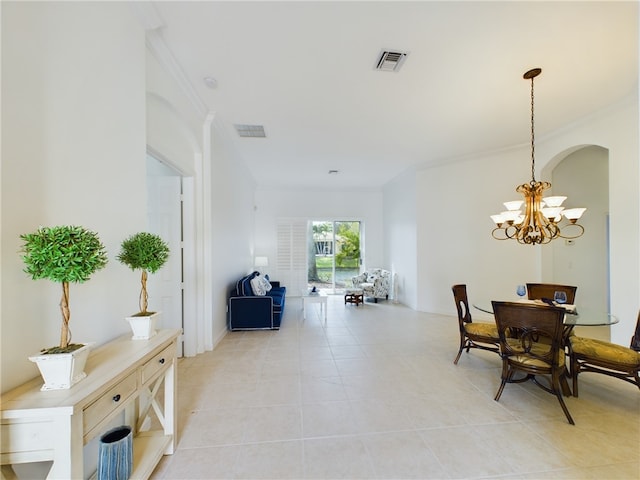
[(255, 131), (390, 61)]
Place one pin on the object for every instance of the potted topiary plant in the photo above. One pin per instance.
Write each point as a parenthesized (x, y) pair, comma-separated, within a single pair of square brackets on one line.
[(146, 252), (62, 254)]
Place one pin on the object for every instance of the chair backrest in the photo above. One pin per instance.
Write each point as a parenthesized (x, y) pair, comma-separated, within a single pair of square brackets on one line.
[(462, 304), (635, 340), (539, 327), (536, 291)]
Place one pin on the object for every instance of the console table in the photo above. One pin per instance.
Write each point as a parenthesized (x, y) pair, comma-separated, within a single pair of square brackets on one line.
[(122, 376)]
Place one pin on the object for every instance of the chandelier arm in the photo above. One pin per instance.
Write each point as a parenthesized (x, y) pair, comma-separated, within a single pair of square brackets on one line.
[(571, 237), (499, 229)]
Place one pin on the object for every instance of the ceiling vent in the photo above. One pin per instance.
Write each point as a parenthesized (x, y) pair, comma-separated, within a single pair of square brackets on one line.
[(255, 131), (389, 61)]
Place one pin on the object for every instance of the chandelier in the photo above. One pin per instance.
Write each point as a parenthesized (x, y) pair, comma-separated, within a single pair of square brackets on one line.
[(540, 222)]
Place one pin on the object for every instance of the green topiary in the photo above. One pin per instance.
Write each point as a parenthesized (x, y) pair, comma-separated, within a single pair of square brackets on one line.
[(63, 254), (147, 252)]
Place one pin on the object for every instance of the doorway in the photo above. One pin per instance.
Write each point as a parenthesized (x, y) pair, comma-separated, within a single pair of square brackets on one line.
[(165, 218), (333, 254), (583, 175)]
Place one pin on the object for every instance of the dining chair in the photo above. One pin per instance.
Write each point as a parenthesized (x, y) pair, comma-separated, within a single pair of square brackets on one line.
[(599, 356), (537, 291), (528, 353), (481, 335)]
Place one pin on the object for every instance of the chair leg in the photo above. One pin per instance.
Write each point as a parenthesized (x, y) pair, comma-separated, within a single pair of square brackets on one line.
[(556, 381), (462, 342), (575, 370), (564, 408), (506, 376), (564, 384), (499, 393)]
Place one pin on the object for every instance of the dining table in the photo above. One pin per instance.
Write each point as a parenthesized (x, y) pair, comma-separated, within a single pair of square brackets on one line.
[(575, 316)]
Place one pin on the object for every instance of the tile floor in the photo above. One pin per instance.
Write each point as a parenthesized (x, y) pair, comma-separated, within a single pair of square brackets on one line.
[(373, 393)]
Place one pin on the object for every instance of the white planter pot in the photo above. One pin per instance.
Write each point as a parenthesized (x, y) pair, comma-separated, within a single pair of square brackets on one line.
[(62, 370), (143, 326)]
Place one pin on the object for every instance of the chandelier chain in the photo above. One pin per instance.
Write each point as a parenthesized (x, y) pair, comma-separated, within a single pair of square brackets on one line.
[(533, 157)]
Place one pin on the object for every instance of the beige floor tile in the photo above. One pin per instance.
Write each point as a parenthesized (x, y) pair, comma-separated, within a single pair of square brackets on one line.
[(322, 389), (312, 353), (463, 454), (214, 427), (347, 351), (373, 393), (318, 368), (402, 455), (515, 441), (200, 463), (272, 460), (328, 419), (378, 416), (283, 390), (229, 395), (274, 423), (337, 458)]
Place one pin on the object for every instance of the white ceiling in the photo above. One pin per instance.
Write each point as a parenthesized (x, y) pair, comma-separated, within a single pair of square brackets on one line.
[(305, 71)]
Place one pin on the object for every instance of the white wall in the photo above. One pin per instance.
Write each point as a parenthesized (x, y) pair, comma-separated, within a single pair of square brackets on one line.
[(454, 230), (400, 247), (186, 139), (615, 129), (365, 206), (174, 127), (583, 176), (73, 152), (454, 203), (233, 227)]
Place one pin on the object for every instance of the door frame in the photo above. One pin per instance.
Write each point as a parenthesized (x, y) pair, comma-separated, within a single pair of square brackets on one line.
[(189, 298)]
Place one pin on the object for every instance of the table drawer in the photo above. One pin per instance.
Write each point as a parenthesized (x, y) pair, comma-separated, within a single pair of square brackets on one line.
[(114, 398), (158, 363)]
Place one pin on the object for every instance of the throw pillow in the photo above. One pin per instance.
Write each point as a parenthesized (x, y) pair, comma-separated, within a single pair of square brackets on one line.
[(265, 283), (257, 286)]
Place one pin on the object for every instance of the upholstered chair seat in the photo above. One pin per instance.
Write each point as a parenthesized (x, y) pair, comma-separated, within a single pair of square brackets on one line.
[(599, 356), (482, 329), (481, 335), (601, 351)]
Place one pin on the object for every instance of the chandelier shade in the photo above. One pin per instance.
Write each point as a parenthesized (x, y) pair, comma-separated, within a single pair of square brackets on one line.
[(540, 221)]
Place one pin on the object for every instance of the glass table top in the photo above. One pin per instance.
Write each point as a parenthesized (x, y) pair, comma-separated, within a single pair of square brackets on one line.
[(575, 316)]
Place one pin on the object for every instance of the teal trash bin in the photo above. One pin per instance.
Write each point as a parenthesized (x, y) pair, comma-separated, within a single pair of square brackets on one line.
[(115, 454)]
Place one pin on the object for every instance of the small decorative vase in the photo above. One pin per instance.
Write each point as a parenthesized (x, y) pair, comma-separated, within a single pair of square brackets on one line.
[(143, 326), (115, 454), (61, 371)]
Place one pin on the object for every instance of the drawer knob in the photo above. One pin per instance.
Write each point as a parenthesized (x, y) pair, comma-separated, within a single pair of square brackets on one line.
[(116, 398), (161, 361)]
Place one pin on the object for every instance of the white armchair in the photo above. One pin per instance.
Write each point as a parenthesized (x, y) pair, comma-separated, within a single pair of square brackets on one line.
[(375, 283)]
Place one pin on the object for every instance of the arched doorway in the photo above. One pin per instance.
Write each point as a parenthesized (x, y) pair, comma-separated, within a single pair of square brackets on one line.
[(582, 174)]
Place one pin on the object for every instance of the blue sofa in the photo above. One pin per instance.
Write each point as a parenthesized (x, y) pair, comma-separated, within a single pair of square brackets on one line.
[(247, 311)]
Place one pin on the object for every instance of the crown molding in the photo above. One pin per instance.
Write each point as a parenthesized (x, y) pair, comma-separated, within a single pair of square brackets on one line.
[(149, 18)]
